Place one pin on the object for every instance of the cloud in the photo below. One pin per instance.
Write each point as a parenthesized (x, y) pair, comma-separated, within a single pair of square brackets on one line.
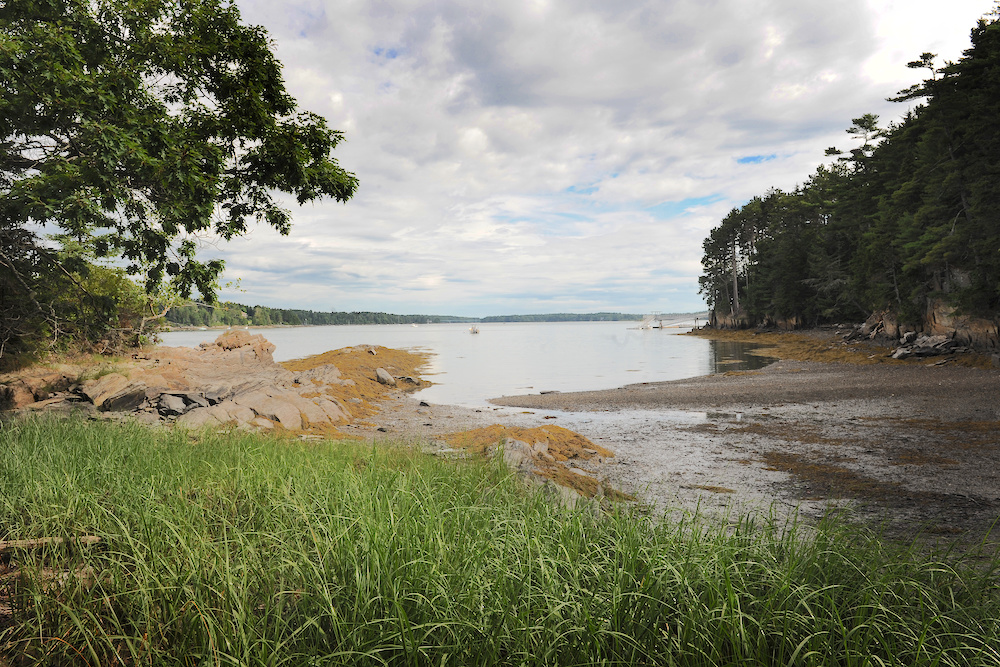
[(535, 154)]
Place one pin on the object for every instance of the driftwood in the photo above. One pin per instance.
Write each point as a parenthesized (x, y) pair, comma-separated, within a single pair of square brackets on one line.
[(13, 545)]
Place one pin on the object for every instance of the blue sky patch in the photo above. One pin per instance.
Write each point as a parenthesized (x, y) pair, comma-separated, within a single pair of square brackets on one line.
[(388, 54), (755, 159), (672, 209)]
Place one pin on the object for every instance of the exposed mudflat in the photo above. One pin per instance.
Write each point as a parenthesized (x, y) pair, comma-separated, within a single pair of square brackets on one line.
[(910, 446)]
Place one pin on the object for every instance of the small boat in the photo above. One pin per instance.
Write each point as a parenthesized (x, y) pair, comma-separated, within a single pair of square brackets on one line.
[(474, 329)]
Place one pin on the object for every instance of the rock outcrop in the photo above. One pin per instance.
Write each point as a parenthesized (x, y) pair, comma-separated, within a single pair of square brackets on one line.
[(938, 319), (39, 385), (912, 345), (233, 380)]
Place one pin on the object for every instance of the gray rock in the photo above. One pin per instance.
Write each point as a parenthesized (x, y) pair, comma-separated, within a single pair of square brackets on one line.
[(931, 341), (226, 412), (309, 411), (126, 400), (104, 387), (197, 400), (273, 409), (384, 377), (233, 380), (199, 418), (562, 495), (235, 412), (148, 418), (517, 454), (171, 405), (334, 411), (217, 394), (451, 453), (221, 413)]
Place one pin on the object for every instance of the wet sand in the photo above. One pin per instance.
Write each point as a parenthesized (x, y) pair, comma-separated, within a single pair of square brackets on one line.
[(911, 447)]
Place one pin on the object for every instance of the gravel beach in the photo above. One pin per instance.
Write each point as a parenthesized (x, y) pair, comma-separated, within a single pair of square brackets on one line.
[(913, 447)]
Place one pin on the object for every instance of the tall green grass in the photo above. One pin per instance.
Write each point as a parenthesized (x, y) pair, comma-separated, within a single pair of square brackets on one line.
[(242, 550)]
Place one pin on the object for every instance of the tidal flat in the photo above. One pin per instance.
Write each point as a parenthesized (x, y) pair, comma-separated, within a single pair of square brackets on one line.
[(911, 446)]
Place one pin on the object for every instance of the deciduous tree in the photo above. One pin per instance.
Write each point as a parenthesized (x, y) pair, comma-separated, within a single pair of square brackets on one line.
[(131, 127)]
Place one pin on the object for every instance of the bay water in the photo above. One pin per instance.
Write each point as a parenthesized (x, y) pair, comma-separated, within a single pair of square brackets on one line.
[(514, 358)]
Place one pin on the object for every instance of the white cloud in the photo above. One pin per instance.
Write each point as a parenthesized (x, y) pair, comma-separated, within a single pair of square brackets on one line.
[(529, 156)]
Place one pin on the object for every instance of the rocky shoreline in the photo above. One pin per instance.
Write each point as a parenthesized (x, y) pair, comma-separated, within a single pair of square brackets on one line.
[(233, 380), (911, 445), (234, 383)]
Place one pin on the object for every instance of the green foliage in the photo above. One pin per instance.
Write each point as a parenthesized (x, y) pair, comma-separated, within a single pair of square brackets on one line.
[(133, 127), (242, 550), (228, 313), (911, 214), (72, 305)]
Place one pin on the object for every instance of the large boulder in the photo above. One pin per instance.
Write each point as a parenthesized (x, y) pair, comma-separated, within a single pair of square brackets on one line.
[(250, 348), (130, 398), (15, 395), (115, 393), (274, 409), (226, 412), (384, 377), (517, 455), (104, 387), (171, 405), (334, 410)]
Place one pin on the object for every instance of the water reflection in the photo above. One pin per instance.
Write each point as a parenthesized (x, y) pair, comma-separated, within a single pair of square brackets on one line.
[(727, 355), (521, 358)]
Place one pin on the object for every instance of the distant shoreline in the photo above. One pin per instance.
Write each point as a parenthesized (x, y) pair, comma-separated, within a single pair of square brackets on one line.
[(239, 315)]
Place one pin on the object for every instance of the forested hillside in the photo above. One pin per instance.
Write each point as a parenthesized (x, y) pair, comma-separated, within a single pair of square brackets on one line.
[(229, 313), (907, 223)]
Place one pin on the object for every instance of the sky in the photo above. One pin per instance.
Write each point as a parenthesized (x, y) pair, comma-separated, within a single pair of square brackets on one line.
[(537, 156)]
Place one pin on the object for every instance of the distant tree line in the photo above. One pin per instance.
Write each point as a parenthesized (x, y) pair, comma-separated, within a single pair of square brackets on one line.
[(910, 216), (234, 314), (229, 314)]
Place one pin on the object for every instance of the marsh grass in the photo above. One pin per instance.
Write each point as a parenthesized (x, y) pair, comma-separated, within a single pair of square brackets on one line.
[(237, 549)]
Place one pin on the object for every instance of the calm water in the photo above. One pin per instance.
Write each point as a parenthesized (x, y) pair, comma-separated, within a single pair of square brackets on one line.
[(518, 358)]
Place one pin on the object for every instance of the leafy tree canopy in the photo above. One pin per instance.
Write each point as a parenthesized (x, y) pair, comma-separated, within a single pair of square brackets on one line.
[(136, 124), (130, 127)]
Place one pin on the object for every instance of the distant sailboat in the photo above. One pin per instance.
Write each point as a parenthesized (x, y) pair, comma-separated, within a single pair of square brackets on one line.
[(474, 329)]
